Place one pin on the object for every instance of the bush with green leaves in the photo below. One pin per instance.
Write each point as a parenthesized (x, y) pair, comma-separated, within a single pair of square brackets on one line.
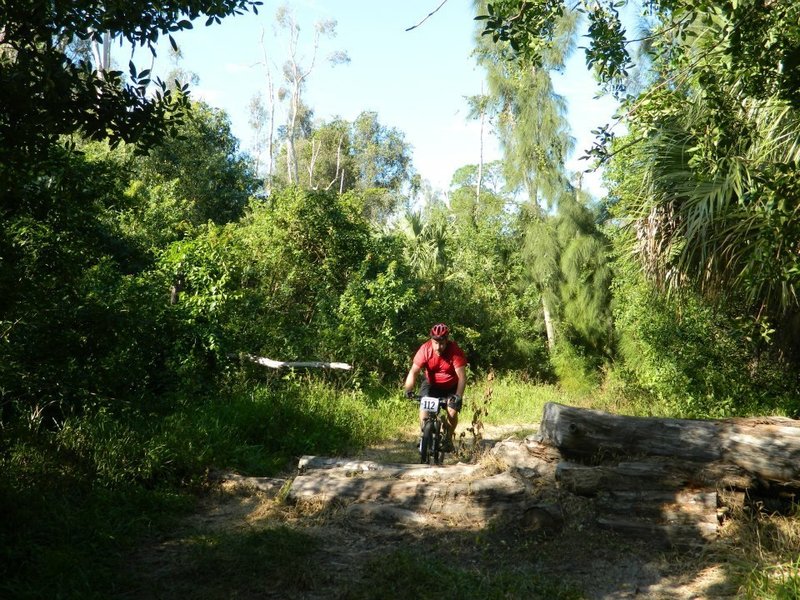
[(693, 357), (296, 253), (79, 326), (379, 318)]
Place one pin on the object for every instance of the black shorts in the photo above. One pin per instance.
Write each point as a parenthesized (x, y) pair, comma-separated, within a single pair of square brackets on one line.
[(426, 389)]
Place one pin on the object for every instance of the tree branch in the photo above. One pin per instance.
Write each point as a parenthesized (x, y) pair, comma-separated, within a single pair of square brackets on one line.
[(430, 14)]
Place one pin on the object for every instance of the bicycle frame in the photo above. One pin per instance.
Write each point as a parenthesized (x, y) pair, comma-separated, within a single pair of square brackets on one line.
[(434, 430)]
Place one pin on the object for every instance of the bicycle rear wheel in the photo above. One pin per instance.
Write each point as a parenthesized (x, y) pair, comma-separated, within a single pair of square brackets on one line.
[(426, 445)]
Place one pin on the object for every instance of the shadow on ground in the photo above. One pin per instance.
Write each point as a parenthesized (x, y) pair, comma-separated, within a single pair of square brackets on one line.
[(247, 544)]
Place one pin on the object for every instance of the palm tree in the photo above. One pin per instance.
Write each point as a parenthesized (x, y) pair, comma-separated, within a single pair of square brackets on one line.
[(426, 247), (726, 219)]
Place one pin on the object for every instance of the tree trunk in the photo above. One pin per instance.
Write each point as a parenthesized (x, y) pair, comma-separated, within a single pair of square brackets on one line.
[(479, 183), (548, 325)]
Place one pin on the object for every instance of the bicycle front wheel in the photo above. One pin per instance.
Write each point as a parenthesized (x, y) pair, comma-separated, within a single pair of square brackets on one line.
[(426, 445), (441, 444)]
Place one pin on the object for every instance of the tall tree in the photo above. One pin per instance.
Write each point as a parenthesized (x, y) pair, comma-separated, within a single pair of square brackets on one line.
[(531, 117), (715, 132), (535, 138), (295, 76)]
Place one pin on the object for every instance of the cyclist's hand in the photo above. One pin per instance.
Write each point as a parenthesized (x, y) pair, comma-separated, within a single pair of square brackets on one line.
[(410, 394), (454, 401)]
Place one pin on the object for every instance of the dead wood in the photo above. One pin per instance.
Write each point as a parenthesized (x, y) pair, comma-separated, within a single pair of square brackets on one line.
[(762, 448)]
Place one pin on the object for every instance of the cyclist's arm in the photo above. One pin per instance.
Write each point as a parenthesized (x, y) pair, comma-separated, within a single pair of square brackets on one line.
[(461, 373), (411, 378)]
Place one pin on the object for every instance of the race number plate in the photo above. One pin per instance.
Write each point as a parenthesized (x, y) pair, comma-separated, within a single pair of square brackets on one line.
[(429, 403)]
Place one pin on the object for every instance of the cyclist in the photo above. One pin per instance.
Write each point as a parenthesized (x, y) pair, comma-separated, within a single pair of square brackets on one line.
[(445, 368)]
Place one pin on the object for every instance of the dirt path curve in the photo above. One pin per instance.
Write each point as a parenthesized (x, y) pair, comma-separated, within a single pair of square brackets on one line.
[(491, 508)]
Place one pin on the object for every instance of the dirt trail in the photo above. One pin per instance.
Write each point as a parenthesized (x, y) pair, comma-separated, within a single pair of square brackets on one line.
[(520, 519)]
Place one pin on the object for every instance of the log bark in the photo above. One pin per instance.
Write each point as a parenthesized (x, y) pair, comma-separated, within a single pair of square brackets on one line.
[(367, 468), (766, 449), (661, 534), (477, 499), (657, 474)]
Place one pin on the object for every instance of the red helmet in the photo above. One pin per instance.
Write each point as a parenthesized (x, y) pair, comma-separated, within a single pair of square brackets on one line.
[(439, 331)]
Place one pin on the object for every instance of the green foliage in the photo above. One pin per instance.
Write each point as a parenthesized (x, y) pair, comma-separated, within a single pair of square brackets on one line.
[(48, 91), (525, 27), (297, 255), (530, 118), (203, 166), (577, 373), (381, 154), (693, 358), (78, 328), (363, 158), (515, 398), (204, 277), (776, 582), (80, 499), (378, 318), (65, 535), (712, 142), (567, 267)]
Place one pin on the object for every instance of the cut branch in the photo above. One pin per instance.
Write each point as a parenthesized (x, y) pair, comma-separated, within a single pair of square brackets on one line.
[(279, 364)]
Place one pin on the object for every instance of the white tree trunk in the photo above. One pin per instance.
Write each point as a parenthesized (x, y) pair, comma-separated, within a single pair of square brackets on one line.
[(548, 325), (479, 183), (101, 52)]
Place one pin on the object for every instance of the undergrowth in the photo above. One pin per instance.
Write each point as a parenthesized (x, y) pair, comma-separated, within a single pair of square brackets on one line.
[(79, 497)]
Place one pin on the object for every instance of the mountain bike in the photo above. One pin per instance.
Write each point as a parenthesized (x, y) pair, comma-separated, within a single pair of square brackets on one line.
[(435, 430)]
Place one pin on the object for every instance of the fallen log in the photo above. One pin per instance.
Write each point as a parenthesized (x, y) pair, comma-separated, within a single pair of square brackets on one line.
[(684, 506), (661, 534), (760, 448), (326, 486), (660, 473), (366, 468)]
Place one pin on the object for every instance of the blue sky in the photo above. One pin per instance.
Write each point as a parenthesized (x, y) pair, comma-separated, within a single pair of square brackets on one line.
[(415, 80)]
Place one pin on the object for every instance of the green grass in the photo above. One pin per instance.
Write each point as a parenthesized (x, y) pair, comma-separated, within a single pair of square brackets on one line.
[(404, 574), (250, 563), (513, 400), (774, 582), (77, 499), (64, 538)]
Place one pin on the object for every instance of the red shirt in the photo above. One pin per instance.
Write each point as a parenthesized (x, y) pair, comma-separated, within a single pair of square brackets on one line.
[(440, 370)]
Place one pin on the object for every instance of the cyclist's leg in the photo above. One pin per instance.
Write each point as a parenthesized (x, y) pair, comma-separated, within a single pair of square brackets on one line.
[(424, 390), (453, 408), (452, 418)]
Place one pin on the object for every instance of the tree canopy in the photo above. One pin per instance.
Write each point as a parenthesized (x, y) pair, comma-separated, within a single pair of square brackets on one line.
[(712, 136), (47, 91)]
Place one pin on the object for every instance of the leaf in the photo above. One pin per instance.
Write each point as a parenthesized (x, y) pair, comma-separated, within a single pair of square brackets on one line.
[(172, 43)]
